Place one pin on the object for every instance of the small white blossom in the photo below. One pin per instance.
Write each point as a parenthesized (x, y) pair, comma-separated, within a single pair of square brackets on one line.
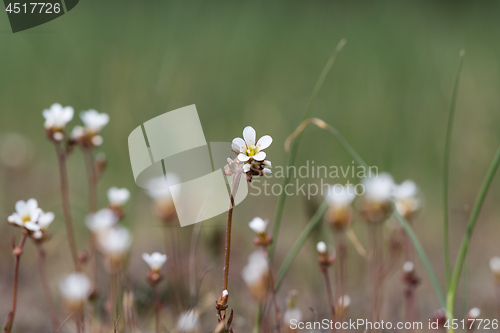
[(57, 116), (75, 288), (321, 247), (256, 270), (118, 196), (340, 196), (258, 225), (43, 223), (474, 313), (380, 188), (77, 132), (101, 221), (26, 211), (114, 242), (405, 197), (249, 147), (155, 261), (344, 301), (495, 265), (188, 321), (94, 121), (408, 267)]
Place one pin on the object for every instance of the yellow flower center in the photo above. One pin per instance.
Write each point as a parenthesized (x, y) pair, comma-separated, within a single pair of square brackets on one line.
[(251, 151), (25, 218)]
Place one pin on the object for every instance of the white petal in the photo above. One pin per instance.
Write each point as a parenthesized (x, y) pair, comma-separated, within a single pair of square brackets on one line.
[(246, 167), (249, 135), (21, 207), (240, 143), (266, 170), (260, 156), (32, 205), (243, 157), (46, 218), (264, 142), (31, 226)]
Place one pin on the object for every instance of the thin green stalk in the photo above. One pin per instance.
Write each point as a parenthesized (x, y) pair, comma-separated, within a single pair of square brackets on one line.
[(446, 163), (298, 244), (421, 254), (470, 228), (293, 153)]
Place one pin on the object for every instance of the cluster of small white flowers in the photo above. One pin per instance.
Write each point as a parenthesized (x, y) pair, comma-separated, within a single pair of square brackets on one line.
[(57, 117), (93, 123), (250, 154), (29, 216), (155, 261)]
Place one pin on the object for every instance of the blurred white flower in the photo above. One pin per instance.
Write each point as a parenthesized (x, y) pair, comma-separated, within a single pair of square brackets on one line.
[(114, 242), (258, 225), (118, 196), (340, 196), (292, 314), (321, 247), (255, 274), (158, 188), (379, 188), (57, 117), (474, 313), (94, 121), (75, 288), (155, 261), (249, 147), (495, 266), (405, 198), (188, 321), (344, 301), (408, 267), (101, 221)]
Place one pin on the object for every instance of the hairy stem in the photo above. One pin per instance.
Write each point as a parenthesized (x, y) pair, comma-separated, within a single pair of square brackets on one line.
[(234, 189), (329, 291), (46, 289), (446, 163), (18, 251), (63, 174), (293, 152), (468, 235)]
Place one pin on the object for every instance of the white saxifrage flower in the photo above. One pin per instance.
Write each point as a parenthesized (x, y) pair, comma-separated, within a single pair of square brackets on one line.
[(56, 118), (377, 197), (188, 321), (75, 289), (255, 274), (114, 242), (250, 152), (118, 196), (94, 121), (258, 225), (406, 198), (155, 261), (340, 198), (43, 223), (101, 221)]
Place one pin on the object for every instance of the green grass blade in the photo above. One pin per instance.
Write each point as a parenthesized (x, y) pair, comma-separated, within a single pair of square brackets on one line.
[(317, 217), (293, 153), (470, 228), (422, 255), (446, 167)]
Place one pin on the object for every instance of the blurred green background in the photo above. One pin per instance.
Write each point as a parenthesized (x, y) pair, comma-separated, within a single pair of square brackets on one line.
[(256, 63)]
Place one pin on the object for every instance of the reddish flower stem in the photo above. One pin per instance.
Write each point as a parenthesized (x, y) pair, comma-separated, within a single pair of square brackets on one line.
[(18, 251), (63, 174)]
